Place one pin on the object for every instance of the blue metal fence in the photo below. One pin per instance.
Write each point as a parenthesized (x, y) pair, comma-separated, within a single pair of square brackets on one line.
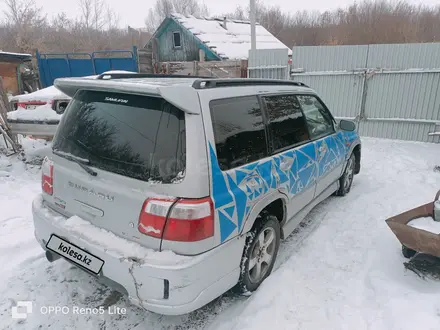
[(53, 66)]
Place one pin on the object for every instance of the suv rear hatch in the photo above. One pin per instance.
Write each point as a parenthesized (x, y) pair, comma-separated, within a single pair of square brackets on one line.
[(111, 152)]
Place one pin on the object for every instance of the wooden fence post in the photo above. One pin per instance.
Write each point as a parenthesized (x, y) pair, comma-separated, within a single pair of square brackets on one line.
[(243, 68)]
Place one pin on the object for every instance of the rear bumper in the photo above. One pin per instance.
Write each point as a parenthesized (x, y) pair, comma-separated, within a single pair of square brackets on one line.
[(162, 283)]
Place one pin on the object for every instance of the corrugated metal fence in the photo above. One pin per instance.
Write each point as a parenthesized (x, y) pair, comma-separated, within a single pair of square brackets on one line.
[(268, 63), (391, 90)]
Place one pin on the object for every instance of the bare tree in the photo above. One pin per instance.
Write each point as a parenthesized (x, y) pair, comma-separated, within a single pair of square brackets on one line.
[(27, 20), (93, 14), (163, 8)]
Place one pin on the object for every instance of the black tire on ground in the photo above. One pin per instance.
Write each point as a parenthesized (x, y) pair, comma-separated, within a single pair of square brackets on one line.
[(346, 180), (259, 254), (407, 252)]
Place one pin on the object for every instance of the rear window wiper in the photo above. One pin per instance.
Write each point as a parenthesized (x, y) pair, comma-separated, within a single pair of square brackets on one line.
[(80, 161)]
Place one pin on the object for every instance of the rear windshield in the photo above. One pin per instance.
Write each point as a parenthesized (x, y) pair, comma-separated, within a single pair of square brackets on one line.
[(136, 136)]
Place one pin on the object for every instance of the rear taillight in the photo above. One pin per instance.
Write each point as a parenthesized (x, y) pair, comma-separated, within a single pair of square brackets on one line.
[(47, 176), (190, 220)]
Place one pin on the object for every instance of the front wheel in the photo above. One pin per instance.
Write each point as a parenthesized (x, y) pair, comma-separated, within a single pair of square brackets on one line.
[(346, 180), (259, 254)]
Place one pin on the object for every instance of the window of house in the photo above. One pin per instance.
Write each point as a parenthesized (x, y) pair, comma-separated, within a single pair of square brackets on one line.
[(177, 42), (319, 120), (286, 121), (239, 131)]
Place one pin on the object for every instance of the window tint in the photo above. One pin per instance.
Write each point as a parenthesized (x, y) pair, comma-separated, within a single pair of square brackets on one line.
[(238, 131), (136, 136), (286, 121), (176, 39), (319, 121)]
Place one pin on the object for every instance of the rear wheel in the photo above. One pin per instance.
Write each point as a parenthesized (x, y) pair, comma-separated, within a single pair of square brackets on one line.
[(346, 180), (259, 254)]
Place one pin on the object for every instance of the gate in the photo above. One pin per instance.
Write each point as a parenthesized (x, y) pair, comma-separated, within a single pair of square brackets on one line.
[(392, 91), (268, 63), (53, 66)]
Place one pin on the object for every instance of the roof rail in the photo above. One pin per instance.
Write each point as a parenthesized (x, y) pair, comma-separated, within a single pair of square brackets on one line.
[(233, 82), (105, 76)]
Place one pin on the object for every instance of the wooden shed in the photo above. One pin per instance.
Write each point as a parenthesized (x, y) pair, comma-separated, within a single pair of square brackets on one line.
[(188, 38), (11, 67)]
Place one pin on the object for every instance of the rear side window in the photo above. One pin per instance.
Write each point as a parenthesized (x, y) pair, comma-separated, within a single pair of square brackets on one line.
[(286, 121), (239, 131), (136, 136)]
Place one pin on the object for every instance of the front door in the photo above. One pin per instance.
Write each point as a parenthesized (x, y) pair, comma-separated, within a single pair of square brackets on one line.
[(329, 148)]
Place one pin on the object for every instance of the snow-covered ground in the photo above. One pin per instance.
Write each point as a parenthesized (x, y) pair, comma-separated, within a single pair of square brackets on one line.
[(342, 269)]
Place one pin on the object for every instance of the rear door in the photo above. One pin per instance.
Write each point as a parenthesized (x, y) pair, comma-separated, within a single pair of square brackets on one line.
[(294, 154), (111, 152), (329, 148)]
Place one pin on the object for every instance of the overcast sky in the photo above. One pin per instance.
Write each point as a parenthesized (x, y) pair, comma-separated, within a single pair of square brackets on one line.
[(133, 12)]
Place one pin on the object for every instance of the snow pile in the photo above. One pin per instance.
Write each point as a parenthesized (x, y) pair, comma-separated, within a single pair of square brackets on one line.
[(427, 224), (43, 95), (234, 42), (34, 150), (43, 113), (5, 166)]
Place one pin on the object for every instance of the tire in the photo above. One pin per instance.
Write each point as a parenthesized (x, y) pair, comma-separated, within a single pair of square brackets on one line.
[(346, 180), (407, 252), (255, 258)]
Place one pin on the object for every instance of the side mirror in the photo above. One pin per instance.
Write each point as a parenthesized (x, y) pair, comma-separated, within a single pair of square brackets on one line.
[(347, 125)]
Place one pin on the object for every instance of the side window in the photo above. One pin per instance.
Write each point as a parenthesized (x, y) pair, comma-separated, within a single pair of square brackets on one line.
[(318, 118), (239, 132), (286, 121), (177, 39)]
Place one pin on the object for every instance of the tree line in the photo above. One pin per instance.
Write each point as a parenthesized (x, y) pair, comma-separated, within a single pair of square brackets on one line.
[(26, 28)]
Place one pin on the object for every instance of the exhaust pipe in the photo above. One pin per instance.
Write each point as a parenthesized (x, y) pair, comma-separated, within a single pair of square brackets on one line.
[(51, 257)]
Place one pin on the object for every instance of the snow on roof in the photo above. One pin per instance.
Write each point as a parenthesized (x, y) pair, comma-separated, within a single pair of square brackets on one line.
[(234, 42), (45, 94), (14, 57), (14, 54), (52, 93), (43, 113)]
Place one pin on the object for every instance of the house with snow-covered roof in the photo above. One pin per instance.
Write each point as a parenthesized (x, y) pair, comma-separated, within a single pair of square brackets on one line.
[(188, 38)]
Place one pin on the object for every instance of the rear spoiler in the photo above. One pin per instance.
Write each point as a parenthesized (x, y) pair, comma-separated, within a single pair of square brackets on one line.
[(181, 96)]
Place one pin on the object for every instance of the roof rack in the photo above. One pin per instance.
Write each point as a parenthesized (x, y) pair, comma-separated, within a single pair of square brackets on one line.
[(233, 82), (110, 76)]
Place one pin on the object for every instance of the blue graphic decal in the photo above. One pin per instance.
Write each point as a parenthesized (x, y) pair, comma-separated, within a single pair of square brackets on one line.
[(226, 226), (240, 201), (240, 175), (230, 211), (235, 192), (220, 191)]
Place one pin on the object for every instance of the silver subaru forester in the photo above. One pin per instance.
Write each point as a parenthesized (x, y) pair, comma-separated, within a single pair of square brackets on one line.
[(176, 189)]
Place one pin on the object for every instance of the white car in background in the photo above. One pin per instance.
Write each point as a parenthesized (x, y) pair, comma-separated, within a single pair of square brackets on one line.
[(57, 100), (38, 114), (51, 96)]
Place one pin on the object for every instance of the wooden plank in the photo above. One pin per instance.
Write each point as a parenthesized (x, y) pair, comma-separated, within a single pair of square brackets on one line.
[(4, 105), (4, 109)]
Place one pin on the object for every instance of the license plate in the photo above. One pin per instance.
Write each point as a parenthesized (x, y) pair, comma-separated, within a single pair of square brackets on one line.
[(75, 254), (31, 107)]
